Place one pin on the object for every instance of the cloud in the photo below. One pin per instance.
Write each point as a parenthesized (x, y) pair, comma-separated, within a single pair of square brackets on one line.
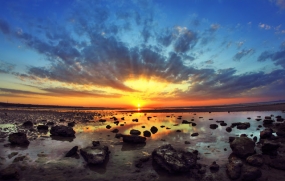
[(264, 26), (209, 62), (241, 54), (5, 67), (55, 92), (277, 57), (279, 3)]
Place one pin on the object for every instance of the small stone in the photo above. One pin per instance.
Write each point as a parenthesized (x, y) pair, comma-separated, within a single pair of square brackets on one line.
[(187, 142), (72, 152), (194, 134)]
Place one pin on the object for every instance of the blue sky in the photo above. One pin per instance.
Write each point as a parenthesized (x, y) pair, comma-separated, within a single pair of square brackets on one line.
[(185, 51)]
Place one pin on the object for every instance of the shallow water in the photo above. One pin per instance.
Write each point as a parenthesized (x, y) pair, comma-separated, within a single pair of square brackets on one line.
[(212, 144)]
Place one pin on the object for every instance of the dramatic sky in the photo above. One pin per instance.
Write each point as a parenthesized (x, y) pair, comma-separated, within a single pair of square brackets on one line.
[(153, 53)]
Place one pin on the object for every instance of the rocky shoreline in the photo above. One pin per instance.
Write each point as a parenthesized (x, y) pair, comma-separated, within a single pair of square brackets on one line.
[(251, 157)]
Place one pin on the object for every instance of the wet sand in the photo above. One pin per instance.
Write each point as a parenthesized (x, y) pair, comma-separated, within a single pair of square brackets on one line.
[(43, 158)]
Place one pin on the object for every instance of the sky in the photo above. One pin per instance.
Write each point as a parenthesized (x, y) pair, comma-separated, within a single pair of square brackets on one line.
[(130, 53)]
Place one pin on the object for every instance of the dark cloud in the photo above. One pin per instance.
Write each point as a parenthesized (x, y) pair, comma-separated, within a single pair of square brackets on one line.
[(4, 27), (5, 67), (56, 92), (243, 53), (209, 36), (277, 57)]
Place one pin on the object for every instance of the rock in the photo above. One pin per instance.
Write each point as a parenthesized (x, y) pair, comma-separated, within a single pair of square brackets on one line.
[(18, 139), (9, 173), (243, 125), (243, 146), (11, 155), (71, 124), (194, 134), (42, 127), (95, 143), (135, 120), (153, 129), (95, 155), (267, 121), (135, 132), (108, 127), (187, 142), (202, 170), (228, 129), (281, 130), (28, 124), (251, 173), (255, 160), (64, 131), (186, 122), (134, 139), (267, 133), (147, 134), (234, 167), (231, 139), (115, 130), (194, 124), (50, 123), (72, 152), (19, 158), (172, 160), (213, 126), (178, 131), (223, 124), (214, 167), (102, 120), (61, 120), (254, 139), (269, 147), (278, 163)]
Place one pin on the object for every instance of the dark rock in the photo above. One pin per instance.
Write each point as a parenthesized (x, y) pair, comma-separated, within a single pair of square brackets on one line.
[(108, 127), (254, 139), (19, 158), (187, 142), (255, 160), (231, 139), (194, 134), (242, 146), (251, 173), (186, 122), (118, 135), (172, 160), (223, 124), (102, 120), (202, 170), (115, 130), (134, 139), (95, 143), (267, 133), (72, 152), (64, 131), (135, 132), (135, 120), (71, 124), (18, 139), (243, 125), (178, 131), (214, 166), (281, 130), (278, 163), (194, 124), (143, 126), (28, 124), (228, 129), (267, 121), (270, 147), (61, 120), (220, 121), (279, 119), (234, 167), (153, 129), (147, 134), (42, 127), (122, 125), (213, 126), (116, 122), (50, 123), (95, 155), (9, 173)]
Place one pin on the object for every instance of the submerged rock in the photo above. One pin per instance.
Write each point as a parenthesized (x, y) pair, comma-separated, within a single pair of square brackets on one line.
[(172, 160), (95, 155), (115, 130), (18, 139), (243, 146), (72, 152), (64, 131), (134, 139), (194, 134)]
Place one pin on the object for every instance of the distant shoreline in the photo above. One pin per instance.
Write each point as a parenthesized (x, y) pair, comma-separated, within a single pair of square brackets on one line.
[(218, 108)]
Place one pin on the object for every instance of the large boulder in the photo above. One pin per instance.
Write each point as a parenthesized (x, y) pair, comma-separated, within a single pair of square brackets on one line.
[(64, 131), (95, 154), (18, 139), (172, 160), (243, 146)]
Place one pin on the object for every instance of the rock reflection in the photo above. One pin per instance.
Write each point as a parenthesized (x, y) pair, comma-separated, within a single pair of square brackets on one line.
[(131, 147)]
